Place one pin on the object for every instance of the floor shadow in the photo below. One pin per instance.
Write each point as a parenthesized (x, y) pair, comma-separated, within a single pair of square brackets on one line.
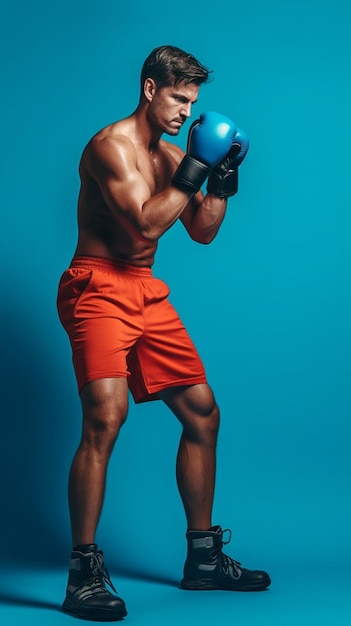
[(144, 576), (11, 599)]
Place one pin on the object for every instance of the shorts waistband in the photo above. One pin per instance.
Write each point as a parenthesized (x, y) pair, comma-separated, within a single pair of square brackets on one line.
[(110, 265)]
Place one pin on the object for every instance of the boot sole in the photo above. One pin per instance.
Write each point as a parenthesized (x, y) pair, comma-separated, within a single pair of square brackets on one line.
[(208, 585), (101, 615)]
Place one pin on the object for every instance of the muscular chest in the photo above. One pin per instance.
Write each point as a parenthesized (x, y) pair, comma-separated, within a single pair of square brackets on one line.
[(157, 170)]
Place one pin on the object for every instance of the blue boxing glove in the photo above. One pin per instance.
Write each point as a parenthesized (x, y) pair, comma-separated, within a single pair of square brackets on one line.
[(223, 180), (209, 140)]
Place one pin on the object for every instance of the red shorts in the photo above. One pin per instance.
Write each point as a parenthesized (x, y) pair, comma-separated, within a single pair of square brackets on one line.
[(121, 324)]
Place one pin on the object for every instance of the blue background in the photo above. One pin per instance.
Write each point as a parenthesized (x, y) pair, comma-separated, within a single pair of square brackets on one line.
[(267, 303)]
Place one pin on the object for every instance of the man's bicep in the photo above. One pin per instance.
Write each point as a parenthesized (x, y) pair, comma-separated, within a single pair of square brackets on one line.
[(125, 194), (113, 166)]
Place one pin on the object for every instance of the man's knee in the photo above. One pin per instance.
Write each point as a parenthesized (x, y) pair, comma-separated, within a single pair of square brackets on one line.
[(203, 425), (203, 428), (105, 406), (197, 410), (209, 423), (202, 403)]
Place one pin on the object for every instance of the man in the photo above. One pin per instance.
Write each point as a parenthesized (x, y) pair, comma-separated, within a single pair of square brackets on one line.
[(123, 330)]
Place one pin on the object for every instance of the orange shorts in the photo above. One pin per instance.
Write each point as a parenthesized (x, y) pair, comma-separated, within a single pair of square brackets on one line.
[(121, 324)]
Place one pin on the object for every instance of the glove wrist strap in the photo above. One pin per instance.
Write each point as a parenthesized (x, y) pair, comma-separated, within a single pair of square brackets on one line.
[(190, 175), (223, 186)]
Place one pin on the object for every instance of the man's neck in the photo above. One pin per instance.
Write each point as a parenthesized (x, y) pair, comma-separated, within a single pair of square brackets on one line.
[(146, 135)]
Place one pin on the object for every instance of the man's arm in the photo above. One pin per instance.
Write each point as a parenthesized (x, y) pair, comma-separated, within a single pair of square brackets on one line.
[(203, 216), (112, 162)]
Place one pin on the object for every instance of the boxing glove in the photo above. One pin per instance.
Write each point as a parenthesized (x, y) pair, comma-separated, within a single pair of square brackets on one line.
[(209, 140), (223, 180)]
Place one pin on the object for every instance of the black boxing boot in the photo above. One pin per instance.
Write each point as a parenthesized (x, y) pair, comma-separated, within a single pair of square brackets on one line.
[(87, 596), (206, 567)]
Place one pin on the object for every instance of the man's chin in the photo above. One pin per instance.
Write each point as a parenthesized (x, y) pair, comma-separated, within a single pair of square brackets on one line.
[(173, 131)]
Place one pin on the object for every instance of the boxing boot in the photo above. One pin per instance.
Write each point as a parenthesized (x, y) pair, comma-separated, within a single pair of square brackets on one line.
[(206, 567), (87, 596)]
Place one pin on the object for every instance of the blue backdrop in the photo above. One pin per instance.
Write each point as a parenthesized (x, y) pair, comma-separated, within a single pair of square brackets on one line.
[(267, 303)]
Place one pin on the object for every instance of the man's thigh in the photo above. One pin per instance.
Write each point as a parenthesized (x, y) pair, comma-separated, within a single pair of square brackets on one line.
[(105, 403), (164, 356)]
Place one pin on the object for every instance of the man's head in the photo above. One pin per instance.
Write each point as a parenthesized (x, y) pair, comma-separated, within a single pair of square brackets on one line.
[(170, 81), (168, 66)]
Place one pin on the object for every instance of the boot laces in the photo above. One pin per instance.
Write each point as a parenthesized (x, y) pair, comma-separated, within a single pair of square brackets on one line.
[(229, 565), (100, 573)]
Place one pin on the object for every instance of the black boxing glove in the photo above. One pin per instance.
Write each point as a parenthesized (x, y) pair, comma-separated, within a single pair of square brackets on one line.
[(223, 180)]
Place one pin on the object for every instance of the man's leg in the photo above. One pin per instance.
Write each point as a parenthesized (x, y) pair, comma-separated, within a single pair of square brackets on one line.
[(105, 405), (198, 413), (206, 566)]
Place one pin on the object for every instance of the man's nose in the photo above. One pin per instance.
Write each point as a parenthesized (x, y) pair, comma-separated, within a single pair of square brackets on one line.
[(186, 109)]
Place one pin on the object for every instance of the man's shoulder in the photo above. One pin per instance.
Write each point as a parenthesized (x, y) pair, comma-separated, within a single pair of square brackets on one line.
[(108, 143), (171, 149), (112, 135)]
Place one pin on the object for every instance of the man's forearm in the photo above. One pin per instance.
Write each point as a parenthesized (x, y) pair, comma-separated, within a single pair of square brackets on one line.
[(207, 219)]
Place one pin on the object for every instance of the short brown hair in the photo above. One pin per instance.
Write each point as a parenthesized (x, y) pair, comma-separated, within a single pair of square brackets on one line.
[(168, 65)]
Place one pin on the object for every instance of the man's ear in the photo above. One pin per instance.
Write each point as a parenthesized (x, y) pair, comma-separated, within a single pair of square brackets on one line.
[(149, 88)]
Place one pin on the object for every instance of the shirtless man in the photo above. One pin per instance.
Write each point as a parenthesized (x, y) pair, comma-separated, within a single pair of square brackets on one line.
[(123, 330)]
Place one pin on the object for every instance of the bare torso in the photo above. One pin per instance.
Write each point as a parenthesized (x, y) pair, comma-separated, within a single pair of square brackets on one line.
[(103, 233)]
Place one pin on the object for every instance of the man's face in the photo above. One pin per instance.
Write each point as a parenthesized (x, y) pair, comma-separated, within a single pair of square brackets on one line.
[(171, 106)]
